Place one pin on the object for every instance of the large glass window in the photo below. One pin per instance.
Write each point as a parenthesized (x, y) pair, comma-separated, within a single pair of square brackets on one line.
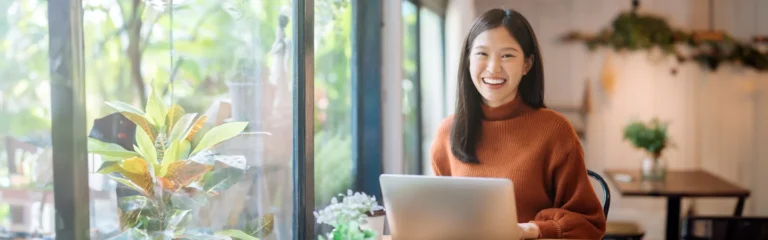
[(410, 85), (432, 79), (26, 172), (333, 101), (190, 114)]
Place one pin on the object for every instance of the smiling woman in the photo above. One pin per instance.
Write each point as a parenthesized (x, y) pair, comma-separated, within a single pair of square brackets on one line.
[(502, 129)]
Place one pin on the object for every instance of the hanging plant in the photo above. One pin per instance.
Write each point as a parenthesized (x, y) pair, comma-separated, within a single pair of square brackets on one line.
[(632, 31)]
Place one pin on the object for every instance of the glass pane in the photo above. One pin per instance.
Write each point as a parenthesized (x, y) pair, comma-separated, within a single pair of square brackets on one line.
[(333, 101), (411, 139), (196, 139), (26, 172), (431, 73)]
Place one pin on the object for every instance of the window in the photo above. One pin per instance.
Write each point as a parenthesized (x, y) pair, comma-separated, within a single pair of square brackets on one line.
[(411, 85), (204, 89), (26, 171), (432, 79)]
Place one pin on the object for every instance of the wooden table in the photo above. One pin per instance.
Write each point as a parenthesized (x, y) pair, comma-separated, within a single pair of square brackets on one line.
[(678, 184)]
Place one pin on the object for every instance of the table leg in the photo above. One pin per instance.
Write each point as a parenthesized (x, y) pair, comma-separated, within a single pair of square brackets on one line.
[(739, 207), (673, 218)]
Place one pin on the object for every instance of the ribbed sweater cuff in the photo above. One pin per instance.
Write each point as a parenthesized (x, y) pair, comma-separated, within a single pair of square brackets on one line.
[(549, 229)]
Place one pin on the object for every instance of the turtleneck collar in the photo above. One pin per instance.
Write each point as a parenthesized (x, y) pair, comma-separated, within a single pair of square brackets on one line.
[(512, 109)]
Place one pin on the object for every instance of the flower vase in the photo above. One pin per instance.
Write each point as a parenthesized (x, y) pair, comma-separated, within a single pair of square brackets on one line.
[(375, 222), (654, 168)]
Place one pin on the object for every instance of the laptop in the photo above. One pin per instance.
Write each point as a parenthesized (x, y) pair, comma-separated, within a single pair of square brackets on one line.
[(437, 207)]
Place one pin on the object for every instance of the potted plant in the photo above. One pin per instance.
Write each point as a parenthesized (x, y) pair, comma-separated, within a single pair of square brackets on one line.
[(651, 137), (172, 173), (357, 217)]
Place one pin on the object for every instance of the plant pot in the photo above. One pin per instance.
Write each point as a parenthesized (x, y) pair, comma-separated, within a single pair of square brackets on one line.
[(375, 222), (654, 169)]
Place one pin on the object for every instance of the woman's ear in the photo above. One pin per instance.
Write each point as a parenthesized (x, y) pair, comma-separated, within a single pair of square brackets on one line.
[(528, 64)]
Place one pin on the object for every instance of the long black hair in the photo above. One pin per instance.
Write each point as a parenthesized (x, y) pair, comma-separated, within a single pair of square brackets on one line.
[(468, 115)]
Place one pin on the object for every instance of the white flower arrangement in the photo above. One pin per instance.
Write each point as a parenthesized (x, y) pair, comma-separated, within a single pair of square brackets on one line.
[(347, 216)]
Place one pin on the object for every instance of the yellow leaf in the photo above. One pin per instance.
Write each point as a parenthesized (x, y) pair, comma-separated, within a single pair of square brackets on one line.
[(196, 127), (174, 114), (136, 170), (142, 123), (182, 173)]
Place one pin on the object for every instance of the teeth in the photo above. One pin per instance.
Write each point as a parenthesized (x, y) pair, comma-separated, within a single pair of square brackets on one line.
[(494, 80)]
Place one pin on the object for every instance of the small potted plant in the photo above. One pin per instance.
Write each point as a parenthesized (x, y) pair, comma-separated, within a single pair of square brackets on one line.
[(357, 217), (651, 137)]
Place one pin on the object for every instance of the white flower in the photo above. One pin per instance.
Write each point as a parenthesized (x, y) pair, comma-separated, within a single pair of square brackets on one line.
[(352, 208)]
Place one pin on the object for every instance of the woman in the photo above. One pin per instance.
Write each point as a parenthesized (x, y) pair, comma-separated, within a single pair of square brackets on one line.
[(501, 129)]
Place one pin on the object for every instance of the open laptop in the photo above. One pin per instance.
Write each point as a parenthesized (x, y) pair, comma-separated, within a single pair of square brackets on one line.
[(431, 207)]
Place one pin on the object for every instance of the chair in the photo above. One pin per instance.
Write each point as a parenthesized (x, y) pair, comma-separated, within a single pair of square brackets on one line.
[(724, 227), (606, 191), (618, 230)]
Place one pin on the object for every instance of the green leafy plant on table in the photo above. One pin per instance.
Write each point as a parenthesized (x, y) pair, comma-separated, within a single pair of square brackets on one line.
[(174, 173), (651, 137)]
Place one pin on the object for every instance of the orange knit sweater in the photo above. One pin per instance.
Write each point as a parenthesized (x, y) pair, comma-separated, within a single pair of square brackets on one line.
[(539, 151)]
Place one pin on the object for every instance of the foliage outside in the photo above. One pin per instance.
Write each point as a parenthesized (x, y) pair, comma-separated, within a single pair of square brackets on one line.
[(173, 171)]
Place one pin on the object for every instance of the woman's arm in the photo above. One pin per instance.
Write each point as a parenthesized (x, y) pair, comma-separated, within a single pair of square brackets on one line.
[(577, 212)]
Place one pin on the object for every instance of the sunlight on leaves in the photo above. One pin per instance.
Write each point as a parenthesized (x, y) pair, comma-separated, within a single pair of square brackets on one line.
[(123, 107), (156, 109), (108, 149), (196, 127), (182, 126), (219, 134), (173, 116), (142, 123), (146, 147)]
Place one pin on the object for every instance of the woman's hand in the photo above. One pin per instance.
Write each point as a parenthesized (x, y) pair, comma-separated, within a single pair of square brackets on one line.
[(528, 230)]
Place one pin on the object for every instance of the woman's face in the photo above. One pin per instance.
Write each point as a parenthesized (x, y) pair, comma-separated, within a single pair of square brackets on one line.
[(497, 63)]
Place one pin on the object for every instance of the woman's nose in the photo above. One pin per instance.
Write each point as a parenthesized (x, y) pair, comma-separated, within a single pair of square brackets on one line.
[(493, 66)]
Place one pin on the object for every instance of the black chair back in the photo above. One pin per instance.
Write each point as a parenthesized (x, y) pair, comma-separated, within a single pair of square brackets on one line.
[(725, 227), (606, 191)]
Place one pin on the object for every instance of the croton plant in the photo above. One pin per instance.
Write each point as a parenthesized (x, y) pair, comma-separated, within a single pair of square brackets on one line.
[(173, 172)]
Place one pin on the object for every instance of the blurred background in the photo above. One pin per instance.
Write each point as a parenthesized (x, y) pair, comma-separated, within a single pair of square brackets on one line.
[(384, 78)]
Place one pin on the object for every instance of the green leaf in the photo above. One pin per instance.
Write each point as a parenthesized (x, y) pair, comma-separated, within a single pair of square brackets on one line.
[(222, 178), (130, 184), (109, 149), (173, 116), (109, 167), (184, 201), (142, 123), (134, 203), (156, 109), (184, 148), (236, 234), (171, 155), (176, 222), (219, 134), (146, 147), (131, 234), (181, 127), (123, 107)]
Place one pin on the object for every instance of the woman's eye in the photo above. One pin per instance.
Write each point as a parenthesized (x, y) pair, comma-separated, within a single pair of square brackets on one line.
[(481, 54), (508, 56)]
